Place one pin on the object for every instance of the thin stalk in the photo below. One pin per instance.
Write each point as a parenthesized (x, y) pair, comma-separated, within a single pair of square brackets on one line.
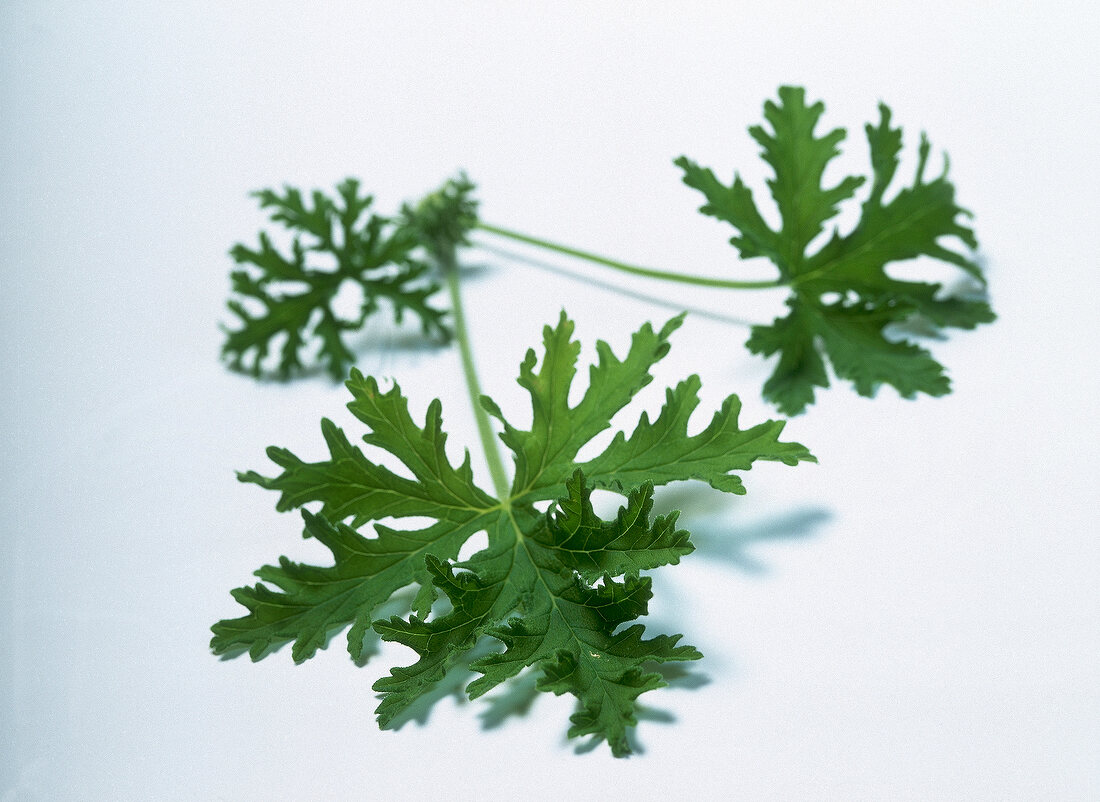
[(473, 387), (625, 268)]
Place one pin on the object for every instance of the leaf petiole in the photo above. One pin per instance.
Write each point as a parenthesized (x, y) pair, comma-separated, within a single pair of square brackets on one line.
[(625, 268), (449, 267)]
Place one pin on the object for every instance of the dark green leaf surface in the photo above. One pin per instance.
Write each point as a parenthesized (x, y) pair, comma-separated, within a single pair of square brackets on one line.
[(843, 300), (284, 303), (553, 588)]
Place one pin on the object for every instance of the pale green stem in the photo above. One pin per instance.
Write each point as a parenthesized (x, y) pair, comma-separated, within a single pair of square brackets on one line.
[(638, 271), (473, 387)]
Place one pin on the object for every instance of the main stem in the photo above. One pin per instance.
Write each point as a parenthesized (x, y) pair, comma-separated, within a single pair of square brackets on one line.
[(625, 268), (473, 387)]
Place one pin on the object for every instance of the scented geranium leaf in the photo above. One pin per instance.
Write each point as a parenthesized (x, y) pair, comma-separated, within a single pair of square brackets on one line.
[(533, 591), (798, 159), (481, 598), (367, 571), (843, 299), (349, 485), (286, 302), (629, 544), (859, 352), (801, 366), (544, 454), (663, 451), (552, 587), (735, 205), (312, 601), (659, 452), (854, 341)]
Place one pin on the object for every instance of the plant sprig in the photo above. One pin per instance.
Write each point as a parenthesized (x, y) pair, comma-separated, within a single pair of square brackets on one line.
[(559, 592), (292, 298), (845, 307), (552, 588)]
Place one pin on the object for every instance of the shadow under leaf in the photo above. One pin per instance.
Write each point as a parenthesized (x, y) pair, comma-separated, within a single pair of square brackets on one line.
[(732, 546), (399, 604), (452, 685), (680, 676), (730, 542), (514, 701)]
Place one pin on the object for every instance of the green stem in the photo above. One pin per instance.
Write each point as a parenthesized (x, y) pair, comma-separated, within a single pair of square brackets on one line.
[(473, 387), (638, 271)]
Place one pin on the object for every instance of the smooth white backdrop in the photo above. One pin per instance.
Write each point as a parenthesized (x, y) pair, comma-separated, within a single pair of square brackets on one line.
[(914, 618)]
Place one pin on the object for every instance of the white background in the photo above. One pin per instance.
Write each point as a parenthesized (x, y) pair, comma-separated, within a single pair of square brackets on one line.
[(914, 618)]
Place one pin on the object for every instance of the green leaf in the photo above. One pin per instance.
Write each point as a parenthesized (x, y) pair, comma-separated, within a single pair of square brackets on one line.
[(285, 302), (844, 304), (534, 592), (545, 453), (552, 588)]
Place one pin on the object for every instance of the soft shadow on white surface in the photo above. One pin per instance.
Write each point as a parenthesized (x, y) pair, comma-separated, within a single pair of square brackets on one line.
[(734, 543)]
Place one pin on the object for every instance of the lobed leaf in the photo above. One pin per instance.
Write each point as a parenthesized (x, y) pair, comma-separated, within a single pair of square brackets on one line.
[(287, 302), (554, 588), (920, 220)]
